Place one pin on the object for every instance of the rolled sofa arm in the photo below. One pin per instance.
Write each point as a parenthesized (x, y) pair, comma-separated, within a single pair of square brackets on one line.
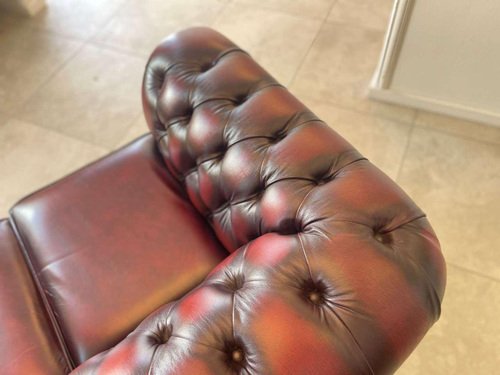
[(261, 312), (334, 269)]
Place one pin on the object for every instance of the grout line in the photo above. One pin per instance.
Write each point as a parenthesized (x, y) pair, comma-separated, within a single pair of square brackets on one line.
[(216, 18), (50, 32), (60, 67), (474, 272), (122, 51), (304, 58), (54, 34), (335, 2), (304, 97), (88, 142), (106, 21), (60, 133), (71, 57), (458, 135), (405, 152), (415, 115), (250, 4), (92, 38), (364, 27)]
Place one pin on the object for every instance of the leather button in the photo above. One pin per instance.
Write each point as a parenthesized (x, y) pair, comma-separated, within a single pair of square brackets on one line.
[(237, 355), (314, 297), (313, 292), (163, 335), (235, 282), (384, 238)]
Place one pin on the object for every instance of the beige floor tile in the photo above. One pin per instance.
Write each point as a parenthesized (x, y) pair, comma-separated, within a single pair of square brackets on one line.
[(381, 140), (469, 129), (7, 19), (339, 67), (465, 339), (457, 182), (303, 8), (27, 59), (138, 128), (366, 13), (278, 41), (139, 28), (3, 119), (76, 18), (32, 157), (95, 97)]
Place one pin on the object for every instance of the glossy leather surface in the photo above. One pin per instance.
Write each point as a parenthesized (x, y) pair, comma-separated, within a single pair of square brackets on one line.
[(112, 242), (334, 269), (28, 344)]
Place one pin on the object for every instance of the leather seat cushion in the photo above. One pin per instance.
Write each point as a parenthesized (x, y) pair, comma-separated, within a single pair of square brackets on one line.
[(111, 243), (28, 344)]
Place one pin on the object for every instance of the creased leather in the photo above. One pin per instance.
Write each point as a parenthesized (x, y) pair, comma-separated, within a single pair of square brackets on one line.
[(334, 270)]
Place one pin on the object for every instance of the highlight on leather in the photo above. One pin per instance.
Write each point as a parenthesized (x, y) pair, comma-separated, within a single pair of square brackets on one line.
[(334, 270)]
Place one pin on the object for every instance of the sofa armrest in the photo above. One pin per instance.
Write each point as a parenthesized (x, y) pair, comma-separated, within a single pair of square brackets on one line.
[(261, 311), (335, 270)]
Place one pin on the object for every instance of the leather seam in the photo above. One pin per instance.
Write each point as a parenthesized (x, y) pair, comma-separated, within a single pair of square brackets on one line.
[(228, 52), (356, 343), (39, 285), (221, 98)]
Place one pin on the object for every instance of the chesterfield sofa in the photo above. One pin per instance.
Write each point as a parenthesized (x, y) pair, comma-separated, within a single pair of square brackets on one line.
[(242, 236)]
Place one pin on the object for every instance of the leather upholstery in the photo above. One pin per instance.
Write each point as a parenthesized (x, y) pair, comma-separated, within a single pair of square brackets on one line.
[(112, 242), (28, 344), (334, 270)]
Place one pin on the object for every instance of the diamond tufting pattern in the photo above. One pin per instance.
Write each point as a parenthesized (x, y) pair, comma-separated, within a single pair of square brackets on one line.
[(334, 270)]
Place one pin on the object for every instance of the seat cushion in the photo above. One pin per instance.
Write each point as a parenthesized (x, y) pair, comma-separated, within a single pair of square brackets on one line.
[(112, 242), (28, 344)]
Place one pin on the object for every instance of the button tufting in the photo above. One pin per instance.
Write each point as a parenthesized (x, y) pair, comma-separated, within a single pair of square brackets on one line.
[(159, 78), (237, 355), (240, 99), (314, 297), (279, 135), (206, 66), (324, 180), (314, 292), (235, 282), (163, 335), (299, 226), (384, 238)]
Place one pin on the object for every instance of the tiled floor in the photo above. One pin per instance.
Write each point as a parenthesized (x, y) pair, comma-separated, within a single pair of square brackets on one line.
[(69, 93)]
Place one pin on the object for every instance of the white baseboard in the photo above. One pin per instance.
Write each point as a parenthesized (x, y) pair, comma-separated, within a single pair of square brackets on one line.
[(433, 105)]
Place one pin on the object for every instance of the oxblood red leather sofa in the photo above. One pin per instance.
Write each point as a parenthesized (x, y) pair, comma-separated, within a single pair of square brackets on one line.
[(244, 237)]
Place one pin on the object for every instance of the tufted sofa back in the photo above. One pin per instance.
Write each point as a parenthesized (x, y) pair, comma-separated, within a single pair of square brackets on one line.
[(334, 269), (246, 150)]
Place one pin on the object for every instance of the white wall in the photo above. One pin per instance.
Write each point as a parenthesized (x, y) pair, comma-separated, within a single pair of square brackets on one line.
[(448, 59)]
